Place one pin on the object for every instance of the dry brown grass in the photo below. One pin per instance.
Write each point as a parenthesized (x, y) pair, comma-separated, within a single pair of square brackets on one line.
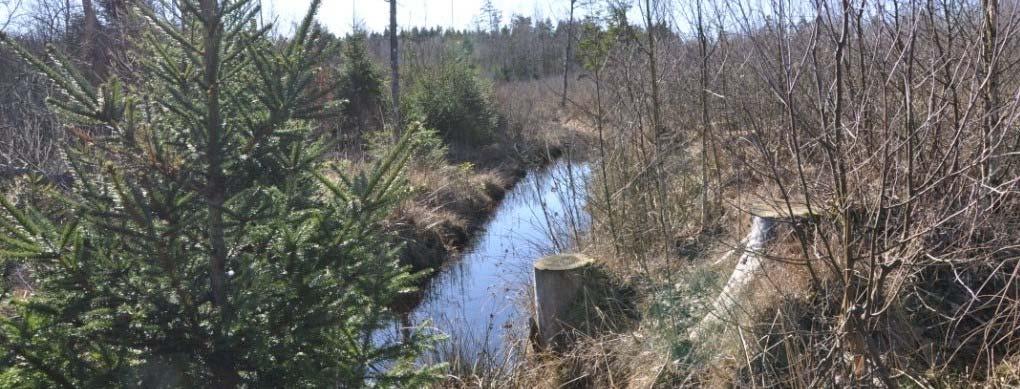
[(449, 205), (535, 122)]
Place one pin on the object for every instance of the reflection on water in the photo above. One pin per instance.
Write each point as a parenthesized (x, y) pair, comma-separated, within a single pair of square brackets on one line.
[(480, 300)]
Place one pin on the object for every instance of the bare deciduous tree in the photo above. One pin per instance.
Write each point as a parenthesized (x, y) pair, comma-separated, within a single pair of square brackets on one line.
[(9, 10)]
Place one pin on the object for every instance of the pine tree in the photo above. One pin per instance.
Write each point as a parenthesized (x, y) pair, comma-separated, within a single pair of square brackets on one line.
[(202, 243)]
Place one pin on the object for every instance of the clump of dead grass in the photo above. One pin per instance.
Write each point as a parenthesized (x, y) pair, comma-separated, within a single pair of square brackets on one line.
[(449, 204)]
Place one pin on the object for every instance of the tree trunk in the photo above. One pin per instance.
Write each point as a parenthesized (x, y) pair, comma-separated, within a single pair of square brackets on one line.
[(395, 68), (88, 40), (67, 16), (221, 364), (566, 54), (991, 91), (703, 43), (654, 74)]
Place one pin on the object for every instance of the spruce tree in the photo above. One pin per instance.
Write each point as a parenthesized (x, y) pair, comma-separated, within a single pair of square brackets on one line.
[(201, 243), (360, 85)]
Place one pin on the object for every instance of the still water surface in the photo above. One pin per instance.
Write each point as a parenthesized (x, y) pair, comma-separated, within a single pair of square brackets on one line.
[(480, 301)]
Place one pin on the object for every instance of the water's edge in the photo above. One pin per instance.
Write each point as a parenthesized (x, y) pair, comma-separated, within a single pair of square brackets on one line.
[(478, 298)]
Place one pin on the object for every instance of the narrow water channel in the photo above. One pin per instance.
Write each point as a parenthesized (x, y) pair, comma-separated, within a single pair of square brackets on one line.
[(481, 299)]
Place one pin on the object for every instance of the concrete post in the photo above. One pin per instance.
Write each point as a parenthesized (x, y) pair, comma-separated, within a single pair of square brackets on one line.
[(558, 279)]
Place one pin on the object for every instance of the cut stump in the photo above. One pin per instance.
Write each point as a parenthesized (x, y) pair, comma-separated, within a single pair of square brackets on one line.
[(764, 217), (558, 279)]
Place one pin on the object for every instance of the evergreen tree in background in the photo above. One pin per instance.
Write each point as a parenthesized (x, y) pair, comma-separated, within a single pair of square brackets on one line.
[(454, 100), (361, 86), (202, 243)]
